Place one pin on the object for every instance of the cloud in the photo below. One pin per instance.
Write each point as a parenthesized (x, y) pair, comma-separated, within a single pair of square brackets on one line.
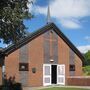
[(41, 10), (87, 38), (30, 5), (83, 49), (62, 9), (69, 23)]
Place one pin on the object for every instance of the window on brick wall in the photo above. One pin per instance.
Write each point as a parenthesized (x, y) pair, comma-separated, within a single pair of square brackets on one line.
[(23, 67), (71, 67)]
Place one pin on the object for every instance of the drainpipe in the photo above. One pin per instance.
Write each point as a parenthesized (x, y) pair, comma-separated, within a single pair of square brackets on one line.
[(3, 72), (2, 64)]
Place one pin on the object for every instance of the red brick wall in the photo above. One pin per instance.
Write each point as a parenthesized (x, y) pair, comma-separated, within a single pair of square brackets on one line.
[(79, 81), (36, 61), (63, 55), (12, 65), (63, 58), (35, 48), (78, 66)]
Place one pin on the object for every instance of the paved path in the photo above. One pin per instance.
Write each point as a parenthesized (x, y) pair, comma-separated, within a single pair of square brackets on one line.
[(36, 88)]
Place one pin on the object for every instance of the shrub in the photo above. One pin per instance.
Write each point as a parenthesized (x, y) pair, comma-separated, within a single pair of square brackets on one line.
[(17, 86)]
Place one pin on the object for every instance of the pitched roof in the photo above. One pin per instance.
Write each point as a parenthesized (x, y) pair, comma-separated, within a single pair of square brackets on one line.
[(44, 29)]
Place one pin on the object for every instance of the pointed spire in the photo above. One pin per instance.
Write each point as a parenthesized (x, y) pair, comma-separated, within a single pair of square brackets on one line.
[(48, 15)]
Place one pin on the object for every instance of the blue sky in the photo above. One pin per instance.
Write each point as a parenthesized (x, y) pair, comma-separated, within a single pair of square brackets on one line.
[(71, 16)]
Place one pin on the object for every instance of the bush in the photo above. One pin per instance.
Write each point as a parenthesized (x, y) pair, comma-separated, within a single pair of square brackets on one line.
[(10, 84), (0, 87), (16, 86), (4, 87)]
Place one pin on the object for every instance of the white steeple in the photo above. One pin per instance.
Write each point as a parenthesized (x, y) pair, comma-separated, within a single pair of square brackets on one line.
[(48, 15)]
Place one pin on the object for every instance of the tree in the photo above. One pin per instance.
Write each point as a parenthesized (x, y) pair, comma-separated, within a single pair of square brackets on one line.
[(87, 57), (86, 68), (12, 13)]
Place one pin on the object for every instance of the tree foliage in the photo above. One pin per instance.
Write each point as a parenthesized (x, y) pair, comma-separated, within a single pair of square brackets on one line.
[(87, 58), (86, 70), (12, 13)]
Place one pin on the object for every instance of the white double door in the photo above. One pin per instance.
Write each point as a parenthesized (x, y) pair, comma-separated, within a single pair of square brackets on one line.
[(53, 74)]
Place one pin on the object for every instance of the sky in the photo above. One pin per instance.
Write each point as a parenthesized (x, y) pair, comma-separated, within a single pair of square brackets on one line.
[(72, 17)]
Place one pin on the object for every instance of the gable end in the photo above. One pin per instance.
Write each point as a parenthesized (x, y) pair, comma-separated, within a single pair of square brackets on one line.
[(32, 36)]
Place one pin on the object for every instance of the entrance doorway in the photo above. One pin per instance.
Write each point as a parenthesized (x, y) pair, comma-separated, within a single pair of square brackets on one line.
[(53, 74)]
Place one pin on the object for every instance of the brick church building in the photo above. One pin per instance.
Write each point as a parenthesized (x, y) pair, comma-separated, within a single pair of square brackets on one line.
[(43, 58)]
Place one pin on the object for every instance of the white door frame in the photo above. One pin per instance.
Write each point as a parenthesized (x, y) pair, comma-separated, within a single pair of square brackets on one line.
[(60, 74)]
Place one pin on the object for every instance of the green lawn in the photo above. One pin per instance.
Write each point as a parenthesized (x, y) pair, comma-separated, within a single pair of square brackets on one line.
[(62, 88)]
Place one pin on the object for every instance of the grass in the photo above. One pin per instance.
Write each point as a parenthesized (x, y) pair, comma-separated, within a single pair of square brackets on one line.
[(62, 88)]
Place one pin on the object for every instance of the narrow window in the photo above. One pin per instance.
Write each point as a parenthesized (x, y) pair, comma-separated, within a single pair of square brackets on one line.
[(72, 67), (23, 67)]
